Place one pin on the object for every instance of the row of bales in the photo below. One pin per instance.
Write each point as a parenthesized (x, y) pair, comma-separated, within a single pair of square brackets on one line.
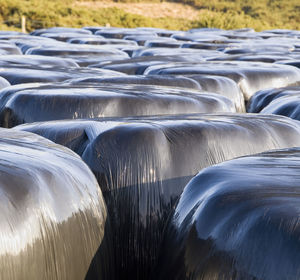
[(150, 154)]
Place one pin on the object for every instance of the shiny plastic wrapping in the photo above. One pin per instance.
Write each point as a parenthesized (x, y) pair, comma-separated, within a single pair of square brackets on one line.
[(282, 101), (154, 80), (57, 29), (8, 48), (3, 83), (216, 84), (83, 55), (250, 76), (64, 101), (237, 220), (137, 65), (177, 52), (52, 214), (27, 42), (120, 33), (162, 43), (65, 36), (143, 164), (263, 98), (224, 86), (37, 60), (267, 56), (145, 110), (288, 106), (20, 74)]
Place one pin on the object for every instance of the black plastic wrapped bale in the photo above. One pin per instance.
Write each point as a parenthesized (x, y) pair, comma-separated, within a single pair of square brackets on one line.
[(142, 165), (140, 40), (52, 213), (282, 101), (292, 62), (259, 57), (3, 83), (120, 33), (138, 30), (20, 74), (57, 102), (8, 48), (66, 36), (237, 220), (215, 84), (211, 45), (250, 76), (288, 106), (84, 55), (137, 65), (212, 36), (154, 80), (98, 40), (36, 60), (266, 47), (165, 43), (263, 98), (197, 55), (221, 85), (26, 42), (57, 30)]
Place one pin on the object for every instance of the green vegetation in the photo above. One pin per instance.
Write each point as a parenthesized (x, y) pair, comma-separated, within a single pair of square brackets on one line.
[(272, 13), (41, 14), (227, 14)]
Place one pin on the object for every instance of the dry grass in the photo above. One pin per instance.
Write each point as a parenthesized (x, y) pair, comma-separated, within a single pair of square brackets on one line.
[(152, 10)]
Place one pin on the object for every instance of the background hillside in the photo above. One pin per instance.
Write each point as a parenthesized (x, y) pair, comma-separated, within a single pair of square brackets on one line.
[(185, 14)]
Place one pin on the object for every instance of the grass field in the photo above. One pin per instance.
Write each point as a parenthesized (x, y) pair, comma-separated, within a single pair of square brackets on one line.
[(186, 14)]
